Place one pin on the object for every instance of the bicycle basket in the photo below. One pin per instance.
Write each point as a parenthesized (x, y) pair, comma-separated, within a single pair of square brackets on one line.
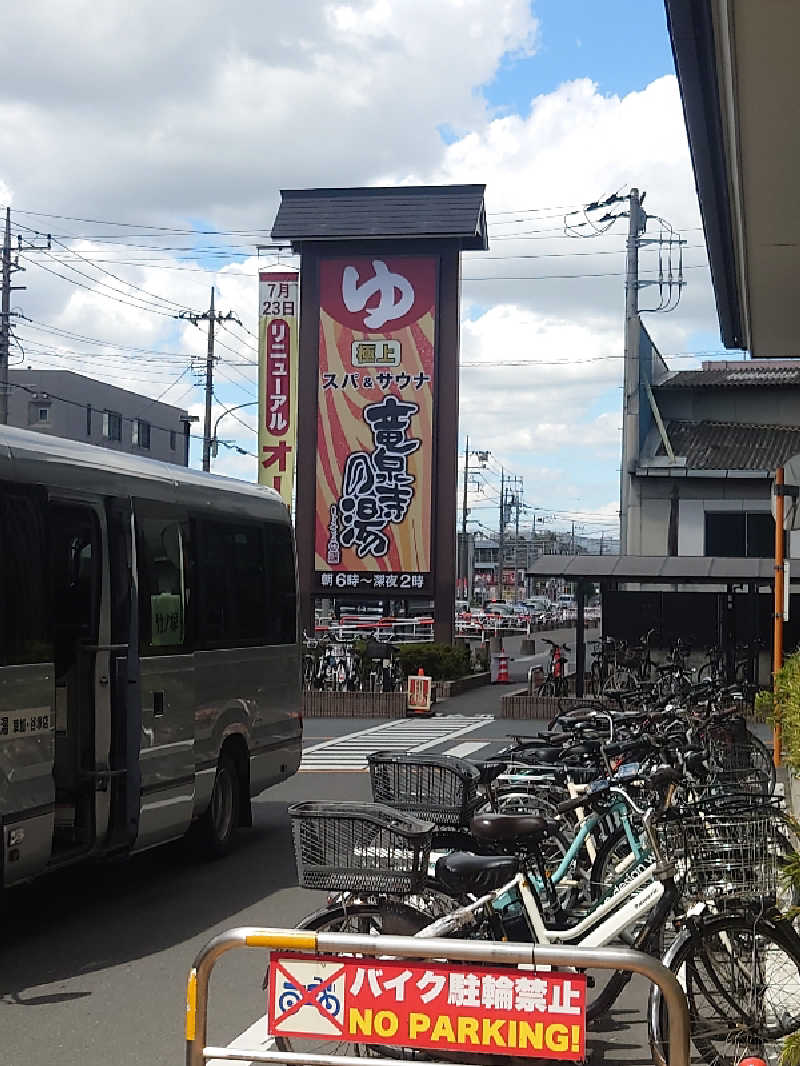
[(438, 788), (724, 853), (350, 846), (739, 766)]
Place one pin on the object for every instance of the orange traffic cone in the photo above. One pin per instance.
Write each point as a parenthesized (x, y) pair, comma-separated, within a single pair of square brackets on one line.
[(502, 670)]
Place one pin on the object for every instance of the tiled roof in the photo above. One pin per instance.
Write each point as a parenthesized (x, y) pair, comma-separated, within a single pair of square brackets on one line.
[(746, 374), (405, 212), (732, 445)]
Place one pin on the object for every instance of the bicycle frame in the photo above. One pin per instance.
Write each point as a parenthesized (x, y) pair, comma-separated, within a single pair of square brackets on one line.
[(586, 827), (630, 900)]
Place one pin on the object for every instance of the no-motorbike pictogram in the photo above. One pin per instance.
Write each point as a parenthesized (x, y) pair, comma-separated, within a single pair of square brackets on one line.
[(306, 997)]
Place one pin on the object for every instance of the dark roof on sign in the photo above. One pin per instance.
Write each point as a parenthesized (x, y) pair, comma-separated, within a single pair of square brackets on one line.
[(691, 31), (732, 445), (734, 376), (406, 212), (654, 569)]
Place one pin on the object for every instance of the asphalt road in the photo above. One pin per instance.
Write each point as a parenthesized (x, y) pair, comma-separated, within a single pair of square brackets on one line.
[(93, 961)]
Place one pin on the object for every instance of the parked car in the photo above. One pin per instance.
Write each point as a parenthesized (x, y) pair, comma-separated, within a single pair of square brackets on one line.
[(499, 608)]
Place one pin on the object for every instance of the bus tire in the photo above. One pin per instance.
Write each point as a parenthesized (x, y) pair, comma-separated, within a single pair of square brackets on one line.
[(215, 829)]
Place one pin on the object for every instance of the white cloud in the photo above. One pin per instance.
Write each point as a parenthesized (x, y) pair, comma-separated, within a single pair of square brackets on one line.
[(161, 115)]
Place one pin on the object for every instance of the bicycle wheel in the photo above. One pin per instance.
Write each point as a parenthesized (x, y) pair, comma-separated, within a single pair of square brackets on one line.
[(742, 763), (384, 917), (741, 977)]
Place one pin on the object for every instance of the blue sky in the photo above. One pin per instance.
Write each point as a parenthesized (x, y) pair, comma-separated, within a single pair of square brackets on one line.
[(622, 45)]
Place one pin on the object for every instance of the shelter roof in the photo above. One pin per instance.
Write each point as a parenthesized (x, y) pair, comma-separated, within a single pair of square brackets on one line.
[(654, 569)]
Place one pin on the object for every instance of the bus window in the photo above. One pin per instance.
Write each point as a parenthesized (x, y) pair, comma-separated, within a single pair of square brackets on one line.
[(282, 615), (162, 584), (234, 608), (25, 620)]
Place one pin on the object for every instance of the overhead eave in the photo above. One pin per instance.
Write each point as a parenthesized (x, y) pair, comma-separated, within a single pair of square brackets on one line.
[(691, 29), (737, 67)]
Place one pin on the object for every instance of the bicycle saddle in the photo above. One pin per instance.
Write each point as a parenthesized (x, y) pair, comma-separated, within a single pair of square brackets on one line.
[(581, 751), (488, 771), (508, 828), (540, 756), (461, 871)]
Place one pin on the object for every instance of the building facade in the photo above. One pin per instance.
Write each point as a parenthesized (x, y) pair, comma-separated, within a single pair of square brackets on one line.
[(702, 480), (64, 404)]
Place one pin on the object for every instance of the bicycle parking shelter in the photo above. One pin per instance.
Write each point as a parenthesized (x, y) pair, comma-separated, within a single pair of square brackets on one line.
[(713, 619)]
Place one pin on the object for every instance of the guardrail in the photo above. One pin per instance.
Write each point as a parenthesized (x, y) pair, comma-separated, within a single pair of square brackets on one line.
[(406, 947), (402, 630)]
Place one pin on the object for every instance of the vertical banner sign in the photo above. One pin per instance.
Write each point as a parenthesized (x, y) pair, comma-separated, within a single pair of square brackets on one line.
[(277, 380), (375, 424)]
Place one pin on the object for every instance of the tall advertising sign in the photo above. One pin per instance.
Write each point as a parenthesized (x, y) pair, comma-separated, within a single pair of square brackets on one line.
[(375, 424), (277, 380)]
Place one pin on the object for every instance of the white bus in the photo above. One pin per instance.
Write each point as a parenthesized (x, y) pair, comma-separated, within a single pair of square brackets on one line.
[(150, 665)]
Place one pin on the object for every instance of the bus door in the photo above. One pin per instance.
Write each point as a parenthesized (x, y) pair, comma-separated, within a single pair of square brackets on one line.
[(166, 672), (81, 638)]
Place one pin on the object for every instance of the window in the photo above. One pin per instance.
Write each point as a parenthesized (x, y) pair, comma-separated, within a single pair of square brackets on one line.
[(38, 413), (163, 595), (233, 585), (740, 534), (88, 420), (112, 425), (140, 435), (173, 440), (282, 616), (24, 567)]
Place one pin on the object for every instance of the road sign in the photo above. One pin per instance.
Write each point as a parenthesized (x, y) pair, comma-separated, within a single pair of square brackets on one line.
[(420, 694), (423, 1006)]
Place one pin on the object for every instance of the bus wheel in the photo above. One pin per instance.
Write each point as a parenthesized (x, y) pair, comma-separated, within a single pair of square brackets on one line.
[(215, 828)]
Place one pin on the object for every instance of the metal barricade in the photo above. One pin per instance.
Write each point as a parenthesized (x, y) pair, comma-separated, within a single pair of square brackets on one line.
[(408, 947)]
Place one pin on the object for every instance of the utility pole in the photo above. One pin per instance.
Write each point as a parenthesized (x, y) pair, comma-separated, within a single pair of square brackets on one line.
[(463, 567), (6, 288), (516, 552), (573, 536), (212, 317), (209, 387), (5, 324), (501, 535), (630, 382)]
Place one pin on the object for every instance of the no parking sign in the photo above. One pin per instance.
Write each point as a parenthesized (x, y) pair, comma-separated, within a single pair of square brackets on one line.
[(430, 1006)]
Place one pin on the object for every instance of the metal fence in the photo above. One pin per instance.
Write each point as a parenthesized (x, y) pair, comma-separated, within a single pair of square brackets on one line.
[(405, 947)]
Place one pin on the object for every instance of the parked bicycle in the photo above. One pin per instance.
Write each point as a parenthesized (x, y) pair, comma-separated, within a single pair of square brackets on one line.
[(647, 819)]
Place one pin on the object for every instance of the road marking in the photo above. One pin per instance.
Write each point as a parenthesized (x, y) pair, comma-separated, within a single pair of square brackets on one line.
[(254, 1038), (462, 751), (350, 752)]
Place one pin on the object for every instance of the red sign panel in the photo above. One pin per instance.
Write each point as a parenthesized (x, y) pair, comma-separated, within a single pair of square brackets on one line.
[(279, 380), (375, 424), (435, 1007)]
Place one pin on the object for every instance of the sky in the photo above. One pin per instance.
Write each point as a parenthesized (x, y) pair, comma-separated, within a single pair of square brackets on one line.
[(130, 132)]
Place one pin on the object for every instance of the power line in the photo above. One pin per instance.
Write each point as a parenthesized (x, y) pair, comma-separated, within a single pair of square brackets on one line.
[(89, 288), (101, 269)]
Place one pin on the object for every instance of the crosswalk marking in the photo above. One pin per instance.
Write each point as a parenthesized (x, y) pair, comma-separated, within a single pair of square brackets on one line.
[(350, 751), (463, 751)]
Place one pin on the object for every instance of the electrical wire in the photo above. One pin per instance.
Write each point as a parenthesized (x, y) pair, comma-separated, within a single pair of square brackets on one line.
[(160, 299)]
